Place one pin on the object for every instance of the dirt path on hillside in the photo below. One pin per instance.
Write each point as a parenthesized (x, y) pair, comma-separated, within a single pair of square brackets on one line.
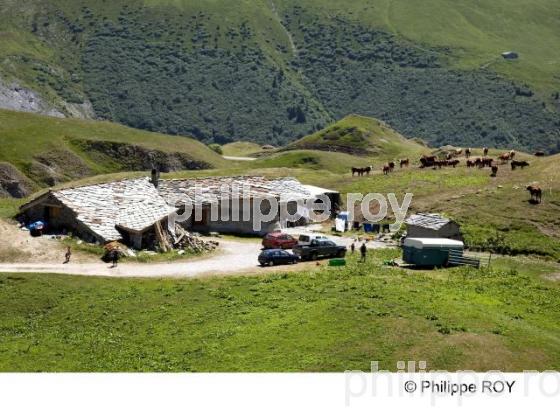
[(230, 158)]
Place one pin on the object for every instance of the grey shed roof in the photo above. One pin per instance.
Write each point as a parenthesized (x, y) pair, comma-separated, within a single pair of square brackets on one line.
[(132, 204), (428, 221)]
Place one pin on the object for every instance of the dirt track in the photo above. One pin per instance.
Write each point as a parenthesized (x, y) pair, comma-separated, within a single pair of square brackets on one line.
[(232, 257)]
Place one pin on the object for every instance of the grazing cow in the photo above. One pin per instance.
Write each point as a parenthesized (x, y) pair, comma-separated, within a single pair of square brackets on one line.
[(404, 163), (470, 163), (520, 164), (482, 162), (361, 171), (485, 150), (539, 154), (494, 171), (427, 161), (453, 163), (536, 193), (468, 153), (386, 169), (505, 157)]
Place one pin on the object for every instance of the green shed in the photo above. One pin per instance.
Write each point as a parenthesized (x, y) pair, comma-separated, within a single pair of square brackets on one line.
[(430, 251)]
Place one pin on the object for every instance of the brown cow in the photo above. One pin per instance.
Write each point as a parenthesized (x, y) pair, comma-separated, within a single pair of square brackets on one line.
[(505, 157), (536, 194), (486, 162), (470, 163), (494, 171), (453, 163), (511, 154), (427, 161), (485, 150), (361, 171), (391, 166), (404, 162), (468, 153), (539, 154), (386, 169)]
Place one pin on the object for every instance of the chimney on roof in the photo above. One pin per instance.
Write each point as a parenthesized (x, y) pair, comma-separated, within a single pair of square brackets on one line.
[(155, 177)]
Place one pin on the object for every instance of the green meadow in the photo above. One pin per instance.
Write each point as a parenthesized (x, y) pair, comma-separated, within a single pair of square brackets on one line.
[(327, 319)]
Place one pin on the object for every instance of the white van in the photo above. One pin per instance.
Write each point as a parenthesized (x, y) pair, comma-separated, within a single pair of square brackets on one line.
[(305, 240)]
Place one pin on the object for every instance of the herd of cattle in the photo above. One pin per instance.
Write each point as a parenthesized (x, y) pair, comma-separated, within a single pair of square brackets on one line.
[(450, 159)]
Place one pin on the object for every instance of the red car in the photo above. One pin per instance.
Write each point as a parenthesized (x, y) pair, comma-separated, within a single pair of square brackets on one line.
[(279, 240)]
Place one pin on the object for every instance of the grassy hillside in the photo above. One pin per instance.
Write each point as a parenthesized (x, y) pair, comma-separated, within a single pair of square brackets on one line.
[(472, 34), (360, 136), (241, 149), (52, 150), (274, 71), (505, 318)]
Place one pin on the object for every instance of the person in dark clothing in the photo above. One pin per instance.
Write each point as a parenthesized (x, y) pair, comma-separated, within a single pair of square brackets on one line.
[(68, 255), (114, 256), (363, 251)]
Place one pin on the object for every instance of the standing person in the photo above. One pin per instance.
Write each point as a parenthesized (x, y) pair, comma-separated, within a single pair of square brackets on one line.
[(115, 258), (363, 251), (352, 248), (68, 255)]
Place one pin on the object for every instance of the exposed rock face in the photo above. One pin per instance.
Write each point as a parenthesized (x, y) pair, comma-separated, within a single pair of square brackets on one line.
[(12, 182), (53, 167), (83, 111), (137, 158), (14, 97)]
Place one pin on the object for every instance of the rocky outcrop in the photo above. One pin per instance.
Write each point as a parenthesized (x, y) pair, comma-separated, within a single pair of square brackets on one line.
[(130, 157), (53, 167), (13, 183), (17, 98)]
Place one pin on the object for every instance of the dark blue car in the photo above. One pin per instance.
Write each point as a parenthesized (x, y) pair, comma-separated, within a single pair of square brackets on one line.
[(276, 257)]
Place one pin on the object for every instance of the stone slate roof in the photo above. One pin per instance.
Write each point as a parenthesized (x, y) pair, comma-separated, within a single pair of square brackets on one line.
[(213, 189), (135, 204), (132, 204), (428, 221)]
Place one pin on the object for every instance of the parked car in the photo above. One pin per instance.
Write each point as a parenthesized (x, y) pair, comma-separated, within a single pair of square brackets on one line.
[(277, 257), (279, 240), (305, 240), (320, 248)]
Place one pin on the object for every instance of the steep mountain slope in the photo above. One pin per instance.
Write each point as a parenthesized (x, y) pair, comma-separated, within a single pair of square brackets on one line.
[(274, 70), (40, 151)]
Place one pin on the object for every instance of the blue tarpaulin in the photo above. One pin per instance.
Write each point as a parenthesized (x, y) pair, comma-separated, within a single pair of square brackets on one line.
[(37, 225)]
